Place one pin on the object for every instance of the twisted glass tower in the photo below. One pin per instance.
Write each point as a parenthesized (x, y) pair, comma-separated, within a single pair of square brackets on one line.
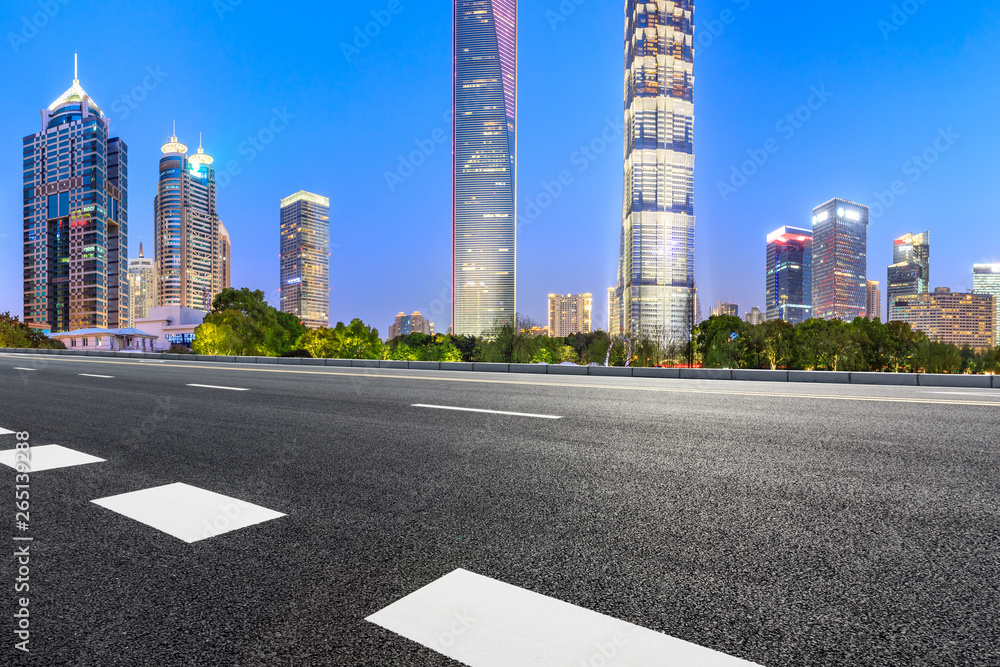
[(655, 291), (484, 232)]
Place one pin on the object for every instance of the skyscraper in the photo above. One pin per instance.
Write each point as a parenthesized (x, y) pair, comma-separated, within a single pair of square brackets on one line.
[(570, 314), (656, 259), (840, 260), (305, 258), (789, 274), (986, 280), (910, 270), (484, 219), (754, 316), (142, 286), (191, 253), (874, 309), (75, 219)]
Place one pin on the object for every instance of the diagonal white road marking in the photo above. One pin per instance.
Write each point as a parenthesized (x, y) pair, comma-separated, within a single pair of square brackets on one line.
[(489, 412), (482, 622), (91, 375)]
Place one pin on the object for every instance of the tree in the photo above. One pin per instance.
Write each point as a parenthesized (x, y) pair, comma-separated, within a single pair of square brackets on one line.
[(778, 342), (354, 341), (242, 323), (720, 341), (17, 334)]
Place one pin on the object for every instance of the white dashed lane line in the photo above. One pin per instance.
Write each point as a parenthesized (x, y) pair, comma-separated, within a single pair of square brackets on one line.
[(90, 375), (489, 412), (209, 386)]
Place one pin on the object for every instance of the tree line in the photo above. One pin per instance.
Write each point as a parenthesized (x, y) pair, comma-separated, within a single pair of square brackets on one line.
[(243, 324)]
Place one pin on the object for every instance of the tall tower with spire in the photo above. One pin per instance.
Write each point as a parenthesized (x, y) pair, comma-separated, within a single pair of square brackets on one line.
[(75, 218), (142, 285), (192, 245)]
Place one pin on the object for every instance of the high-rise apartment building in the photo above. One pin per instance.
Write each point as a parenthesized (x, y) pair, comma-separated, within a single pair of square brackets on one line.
[(789, 274), (986, 280), (874, 308), (911, 268), (192, 254), (840, 260), (305, 258), (570, 314), (755, 316), (407, 324), (484, 218), (952, 317), (75, 219), (655, 291), (142, 286)]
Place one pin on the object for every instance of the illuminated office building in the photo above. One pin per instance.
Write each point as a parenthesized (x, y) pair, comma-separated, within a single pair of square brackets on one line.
[(840, 260), (142, 286), (789, 274), (408, 324), (986, 280), (656, 258), (874, 309), (910, 270), (570, 314), (484, 224), (192, 253), (305, 258), (75, 219), (952, 317)]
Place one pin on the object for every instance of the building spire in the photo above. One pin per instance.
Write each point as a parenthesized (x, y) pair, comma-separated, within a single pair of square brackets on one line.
[(76, 68), (201, 157), (140, 250)]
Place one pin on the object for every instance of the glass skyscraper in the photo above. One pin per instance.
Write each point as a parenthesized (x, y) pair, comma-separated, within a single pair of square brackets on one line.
[(910, 270), (484, 219), (142, 286), (192, 245), (789, 274), (75, 219), (305, 258), (986, 280), (840, 260), (655, 289)]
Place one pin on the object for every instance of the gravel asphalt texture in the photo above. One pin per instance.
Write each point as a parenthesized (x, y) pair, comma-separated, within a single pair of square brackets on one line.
[(791, 525)]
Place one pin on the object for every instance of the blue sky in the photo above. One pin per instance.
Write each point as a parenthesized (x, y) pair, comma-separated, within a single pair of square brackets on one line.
[(886, 85)]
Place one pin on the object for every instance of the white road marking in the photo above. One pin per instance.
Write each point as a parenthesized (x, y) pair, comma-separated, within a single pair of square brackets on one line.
[(209, 386), (90, 375), (46, 457), (152, 361), (187, 512), (967, 393), (24, 369), (4, 431), (482, 622), (490, 412)]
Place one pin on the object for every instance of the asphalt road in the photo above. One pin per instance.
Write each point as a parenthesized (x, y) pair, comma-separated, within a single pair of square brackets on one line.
[(782, 524)]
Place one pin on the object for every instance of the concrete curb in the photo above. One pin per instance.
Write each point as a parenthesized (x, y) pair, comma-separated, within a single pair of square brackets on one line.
[(745, 375)]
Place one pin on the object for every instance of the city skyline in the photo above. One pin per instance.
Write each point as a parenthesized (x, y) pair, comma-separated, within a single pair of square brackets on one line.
[(715, 280)]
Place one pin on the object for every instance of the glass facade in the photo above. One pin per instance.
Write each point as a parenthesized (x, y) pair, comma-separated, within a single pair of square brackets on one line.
[(142, 286), (305, 258), (840, 260), (789, 274), (910, 270), (484, 220), (75, 219), (986, 280), (191, 253), (656, 261)]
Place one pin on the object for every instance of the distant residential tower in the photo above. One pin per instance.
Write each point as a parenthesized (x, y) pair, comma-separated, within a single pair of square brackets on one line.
[(570, 314), (142, 286)]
